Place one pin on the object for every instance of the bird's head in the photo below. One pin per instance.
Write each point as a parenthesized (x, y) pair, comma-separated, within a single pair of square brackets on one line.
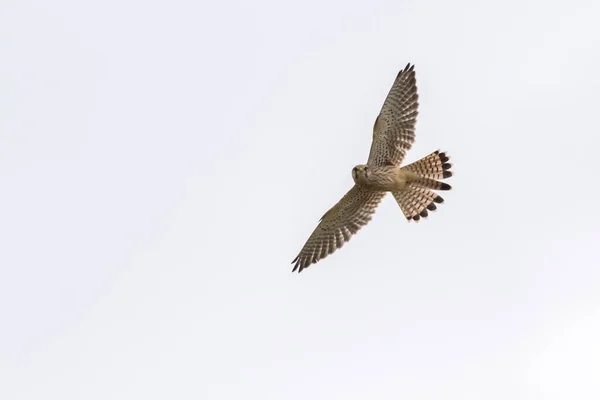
[(360, 173)]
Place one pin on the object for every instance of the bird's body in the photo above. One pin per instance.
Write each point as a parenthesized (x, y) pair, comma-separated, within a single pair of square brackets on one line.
[(411, 185), (387, 178)]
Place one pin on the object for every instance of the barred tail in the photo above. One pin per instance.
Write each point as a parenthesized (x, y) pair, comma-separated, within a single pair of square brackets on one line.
[(433, 166), (418, 198)]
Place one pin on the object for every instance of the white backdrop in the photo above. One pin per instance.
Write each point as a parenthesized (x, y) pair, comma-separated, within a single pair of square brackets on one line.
[(162, 163)]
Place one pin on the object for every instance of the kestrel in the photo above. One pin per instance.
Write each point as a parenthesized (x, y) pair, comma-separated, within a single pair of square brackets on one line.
[(412, 185)]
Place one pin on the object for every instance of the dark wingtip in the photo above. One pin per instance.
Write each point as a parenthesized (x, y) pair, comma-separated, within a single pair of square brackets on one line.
[(444, 158), (446, 166), (447, 174), (416, 217), (445, 186), (431, 207), (408, 68), (423, 213), (439, 200), (297, 263)]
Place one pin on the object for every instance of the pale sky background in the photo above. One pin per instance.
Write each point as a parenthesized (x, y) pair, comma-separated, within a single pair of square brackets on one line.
[(162, 163)]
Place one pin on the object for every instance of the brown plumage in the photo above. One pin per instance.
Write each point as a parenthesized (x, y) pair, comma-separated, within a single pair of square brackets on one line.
[(412, 185), (433, 166), (418, 197)]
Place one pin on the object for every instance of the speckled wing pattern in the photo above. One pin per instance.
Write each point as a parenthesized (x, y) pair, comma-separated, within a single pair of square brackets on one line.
[(338, 225), (394, 130)]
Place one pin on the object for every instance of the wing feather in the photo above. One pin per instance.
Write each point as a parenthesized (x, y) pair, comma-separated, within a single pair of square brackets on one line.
[(338, 225), (394, 129)]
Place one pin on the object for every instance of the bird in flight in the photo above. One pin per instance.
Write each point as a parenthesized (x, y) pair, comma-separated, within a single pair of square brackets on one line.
[(412, 186)]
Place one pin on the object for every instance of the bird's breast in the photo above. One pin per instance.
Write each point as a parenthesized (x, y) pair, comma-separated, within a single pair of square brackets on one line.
[(387, 179)]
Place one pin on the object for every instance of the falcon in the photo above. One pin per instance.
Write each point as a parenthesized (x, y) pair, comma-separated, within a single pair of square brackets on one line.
[(413, 185)]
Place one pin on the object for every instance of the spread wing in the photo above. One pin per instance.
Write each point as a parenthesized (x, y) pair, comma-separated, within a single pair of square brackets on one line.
[(338, 225), (394, 130)]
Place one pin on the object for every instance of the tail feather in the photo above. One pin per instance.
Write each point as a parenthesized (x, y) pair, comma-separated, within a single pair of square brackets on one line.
[(433, 166), (416, 202), (430, 184), (418, 198)]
